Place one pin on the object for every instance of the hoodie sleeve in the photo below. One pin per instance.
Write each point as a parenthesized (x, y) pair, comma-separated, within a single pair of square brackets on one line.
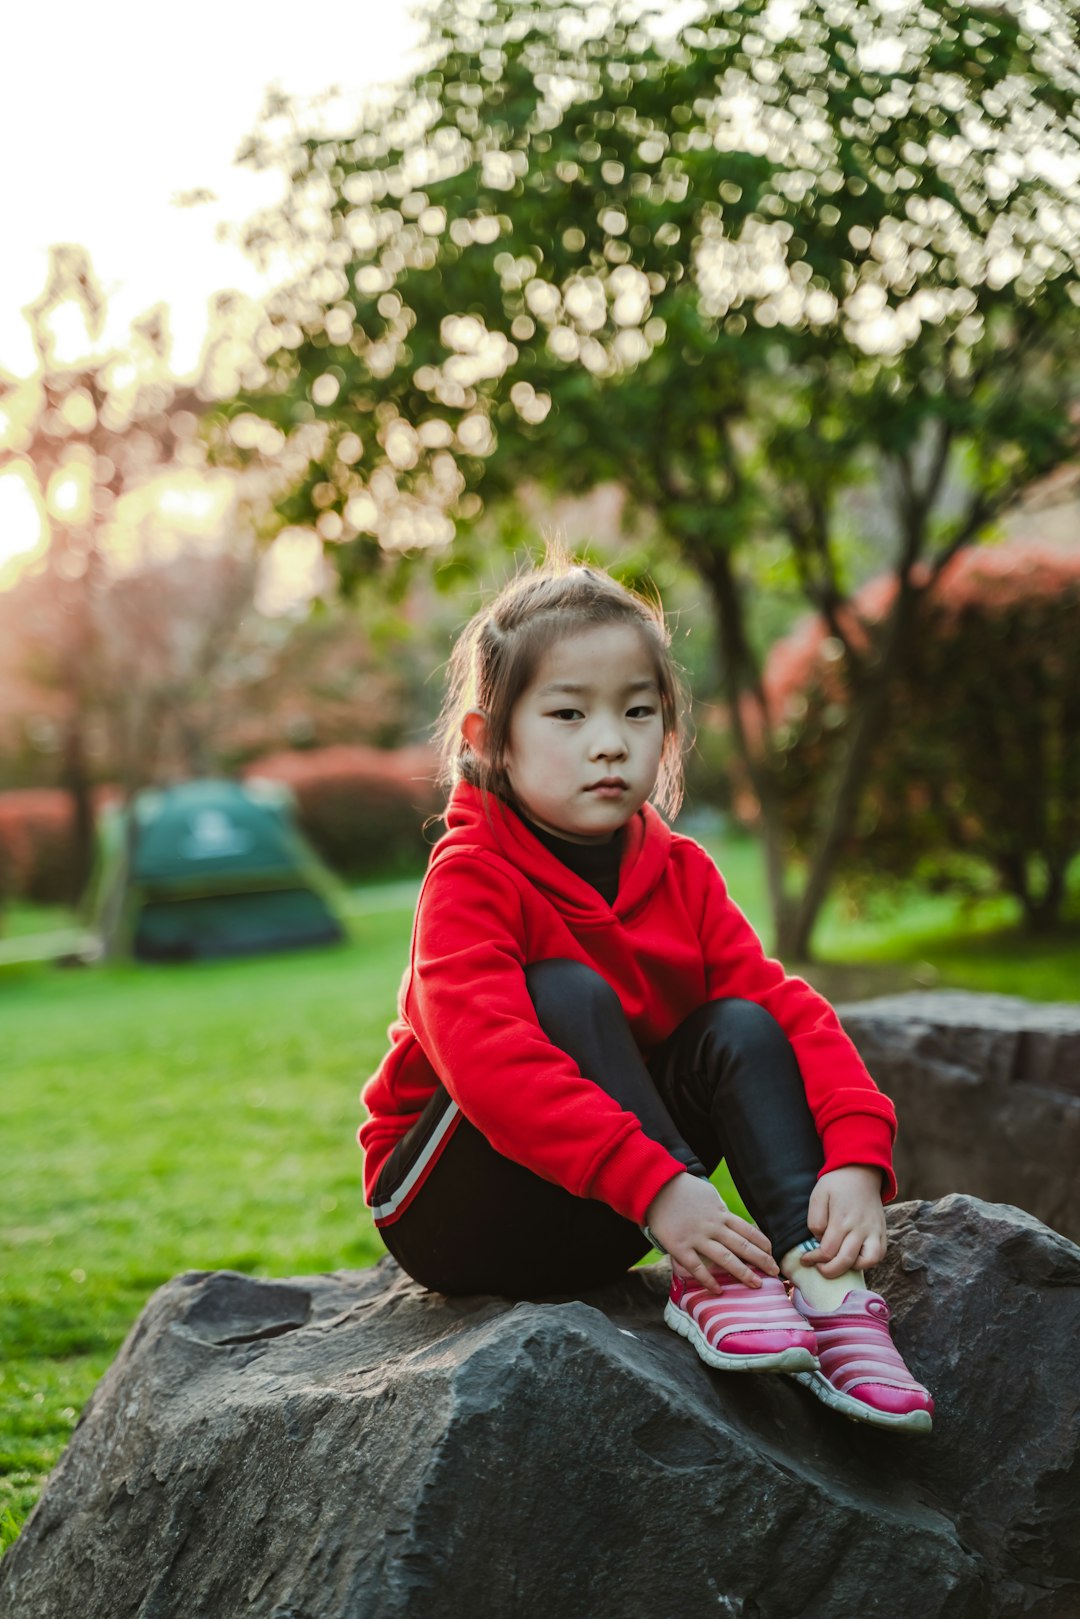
[(855, 1120), (468, 1003)]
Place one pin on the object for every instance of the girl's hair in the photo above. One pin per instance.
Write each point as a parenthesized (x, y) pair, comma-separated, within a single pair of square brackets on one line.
[(497, 655)]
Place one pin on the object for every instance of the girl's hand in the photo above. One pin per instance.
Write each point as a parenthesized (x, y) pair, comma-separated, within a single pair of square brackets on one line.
[(848, 1220), (701, 1234)]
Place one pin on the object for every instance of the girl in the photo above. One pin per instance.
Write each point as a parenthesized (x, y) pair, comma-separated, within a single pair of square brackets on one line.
[(588, 1024)]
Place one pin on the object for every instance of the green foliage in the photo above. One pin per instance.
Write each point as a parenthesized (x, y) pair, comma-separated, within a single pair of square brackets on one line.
[(711, 770), (750, 270), (717, 267), (9, 1528)]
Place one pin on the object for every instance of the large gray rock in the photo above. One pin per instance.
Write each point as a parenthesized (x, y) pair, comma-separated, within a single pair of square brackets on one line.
[(987, 1090), (350, 1447)]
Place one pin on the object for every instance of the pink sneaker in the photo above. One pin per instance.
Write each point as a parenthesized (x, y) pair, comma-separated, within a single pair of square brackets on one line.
[(742, 1329), (861, 1372)]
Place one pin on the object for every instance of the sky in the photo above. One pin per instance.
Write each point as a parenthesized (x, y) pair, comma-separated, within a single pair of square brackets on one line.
[(109, 112)]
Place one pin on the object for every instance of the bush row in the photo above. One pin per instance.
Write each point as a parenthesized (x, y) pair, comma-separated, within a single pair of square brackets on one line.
[(38, 860), (979, 765), (364, 810)]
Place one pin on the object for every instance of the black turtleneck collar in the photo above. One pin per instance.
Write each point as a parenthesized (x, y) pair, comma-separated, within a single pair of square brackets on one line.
[(597, 863)]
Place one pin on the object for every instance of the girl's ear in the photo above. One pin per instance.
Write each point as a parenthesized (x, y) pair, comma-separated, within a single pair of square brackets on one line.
[(474, 730)]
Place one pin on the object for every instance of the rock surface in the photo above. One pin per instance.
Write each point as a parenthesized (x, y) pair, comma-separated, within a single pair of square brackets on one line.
[(987, 1090), (350, 1447)]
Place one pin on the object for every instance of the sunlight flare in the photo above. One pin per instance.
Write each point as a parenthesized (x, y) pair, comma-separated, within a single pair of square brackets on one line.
[(23, 528)]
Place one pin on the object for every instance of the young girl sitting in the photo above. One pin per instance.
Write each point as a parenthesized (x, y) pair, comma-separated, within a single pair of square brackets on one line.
[(588, 1024)]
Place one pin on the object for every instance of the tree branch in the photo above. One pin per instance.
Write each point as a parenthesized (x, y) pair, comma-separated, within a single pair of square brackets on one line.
[(822, 592)]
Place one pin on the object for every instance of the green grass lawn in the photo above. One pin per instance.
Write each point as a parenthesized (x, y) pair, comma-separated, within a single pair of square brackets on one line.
[(19, 921), (162, 1119), (158, 1119), (921, 940)]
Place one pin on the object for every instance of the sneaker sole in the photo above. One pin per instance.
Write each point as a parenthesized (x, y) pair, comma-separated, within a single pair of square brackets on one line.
[(859, 1411), (779, 1360)]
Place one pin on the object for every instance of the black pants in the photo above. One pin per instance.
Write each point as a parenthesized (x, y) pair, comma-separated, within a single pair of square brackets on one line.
[(725, 1084)]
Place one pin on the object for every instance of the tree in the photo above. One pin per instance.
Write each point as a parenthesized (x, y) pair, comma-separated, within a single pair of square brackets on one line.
[(993, 781), (742, 270), (88, 431), (169, 637)]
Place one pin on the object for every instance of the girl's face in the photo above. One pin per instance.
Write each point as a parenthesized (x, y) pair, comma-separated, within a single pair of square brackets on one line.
[(587, 733)]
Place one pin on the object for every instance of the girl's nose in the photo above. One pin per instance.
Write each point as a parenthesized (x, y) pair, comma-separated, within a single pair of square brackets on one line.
[(609, 744)]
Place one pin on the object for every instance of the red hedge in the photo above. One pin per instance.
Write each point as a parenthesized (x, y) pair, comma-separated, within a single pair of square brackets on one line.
[(37, 849), (982, 756), (994, 581), (363, 809)]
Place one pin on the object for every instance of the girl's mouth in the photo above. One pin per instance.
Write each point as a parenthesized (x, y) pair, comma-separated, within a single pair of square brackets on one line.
[(610, 787)]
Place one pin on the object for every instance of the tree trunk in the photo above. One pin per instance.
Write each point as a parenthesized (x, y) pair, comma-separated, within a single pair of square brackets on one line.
[(76, 654), (741, 683), (76, 780), (1042, 906), (870, 706), (794, 919)]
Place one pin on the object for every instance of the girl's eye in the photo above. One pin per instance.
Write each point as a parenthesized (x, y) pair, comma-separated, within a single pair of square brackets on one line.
[(565, 714), (643, 711)]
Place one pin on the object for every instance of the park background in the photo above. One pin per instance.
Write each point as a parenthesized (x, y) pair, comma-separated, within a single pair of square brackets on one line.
[(772, 307)]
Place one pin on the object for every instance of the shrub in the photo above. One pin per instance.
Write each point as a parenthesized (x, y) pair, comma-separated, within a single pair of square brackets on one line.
[(709, 763), (363, 809), (11, 861), (980, 764), (38, 858)]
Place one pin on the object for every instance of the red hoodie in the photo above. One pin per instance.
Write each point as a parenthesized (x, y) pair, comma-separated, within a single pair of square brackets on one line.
[(494, 900)]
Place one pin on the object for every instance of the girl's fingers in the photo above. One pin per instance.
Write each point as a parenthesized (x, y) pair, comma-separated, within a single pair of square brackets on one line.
[(817, 1216), (845, 1256), (753, 1236), (747, 1241), (850, 1250), (743, 1260), (871, 1253), (749, 1254), (724, 1259), (828, 1248), (735, 1247), (703, 1271), (710, 1257)]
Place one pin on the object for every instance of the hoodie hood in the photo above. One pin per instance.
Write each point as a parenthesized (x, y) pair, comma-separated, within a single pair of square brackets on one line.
[(476, 820)]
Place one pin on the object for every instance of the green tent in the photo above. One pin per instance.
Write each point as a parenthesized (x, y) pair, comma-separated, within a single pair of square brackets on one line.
[(208, 868)]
